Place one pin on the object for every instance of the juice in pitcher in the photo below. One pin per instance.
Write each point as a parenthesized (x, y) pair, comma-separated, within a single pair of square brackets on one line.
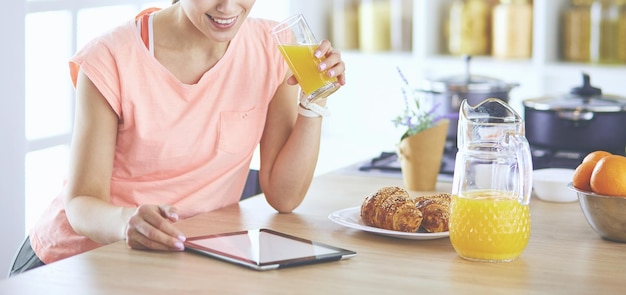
[(303, 64), (489, 225)]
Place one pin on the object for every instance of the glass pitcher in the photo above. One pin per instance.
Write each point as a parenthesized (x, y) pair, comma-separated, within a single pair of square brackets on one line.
[(489, 214)]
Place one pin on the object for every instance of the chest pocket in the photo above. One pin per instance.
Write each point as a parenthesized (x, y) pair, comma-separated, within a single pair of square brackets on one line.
[(240, 132)]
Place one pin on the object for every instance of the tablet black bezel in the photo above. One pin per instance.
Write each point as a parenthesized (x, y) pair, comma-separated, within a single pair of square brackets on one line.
[(338, 254)]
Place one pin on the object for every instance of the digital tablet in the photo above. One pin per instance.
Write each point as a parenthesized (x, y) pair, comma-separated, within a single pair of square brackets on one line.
[(264, 249)]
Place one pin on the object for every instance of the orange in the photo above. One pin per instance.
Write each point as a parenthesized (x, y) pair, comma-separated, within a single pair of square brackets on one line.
[(609, 176), (596, 156), (582, 176)]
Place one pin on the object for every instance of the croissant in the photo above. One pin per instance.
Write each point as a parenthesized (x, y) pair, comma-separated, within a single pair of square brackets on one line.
[(391, 208), (436, 212)]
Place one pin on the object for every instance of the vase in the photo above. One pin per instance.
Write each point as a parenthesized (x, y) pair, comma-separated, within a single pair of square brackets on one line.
[(421, 155)]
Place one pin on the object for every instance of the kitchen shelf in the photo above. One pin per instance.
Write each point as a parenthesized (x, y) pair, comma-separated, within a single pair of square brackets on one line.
[(429, 18), (544, 69)]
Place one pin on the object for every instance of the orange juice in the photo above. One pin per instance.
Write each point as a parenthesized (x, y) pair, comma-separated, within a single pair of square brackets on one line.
[(489, 225), (303, 64)]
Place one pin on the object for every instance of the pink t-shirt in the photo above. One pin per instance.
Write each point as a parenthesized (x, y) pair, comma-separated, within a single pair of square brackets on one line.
[(189, 146)]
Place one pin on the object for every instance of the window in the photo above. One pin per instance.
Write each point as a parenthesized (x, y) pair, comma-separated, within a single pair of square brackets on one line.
[(48, 97), (54, 30)]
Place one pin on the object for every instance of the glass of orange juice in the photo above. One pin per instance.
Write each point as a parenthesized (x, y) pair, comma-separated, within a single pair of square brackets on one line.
[(297, 45)]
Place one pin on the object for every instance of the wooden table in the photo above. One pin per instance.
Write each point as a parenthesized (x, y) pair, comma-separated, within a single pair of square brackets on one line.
[(564, 256)]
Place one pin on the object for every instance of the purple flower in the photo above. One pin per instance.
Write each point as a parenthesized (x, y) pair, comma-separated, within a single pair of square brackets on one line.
[(413, 117)]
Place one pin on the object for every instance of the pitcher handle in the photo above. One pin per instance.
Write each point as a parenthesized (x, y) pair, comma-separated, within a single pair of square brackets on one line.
[(525, 165)]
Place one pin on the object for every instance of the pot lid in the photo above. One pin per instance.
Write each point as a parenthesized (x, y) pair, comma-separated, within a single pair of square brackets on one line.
[(583, 98), (466, 83)]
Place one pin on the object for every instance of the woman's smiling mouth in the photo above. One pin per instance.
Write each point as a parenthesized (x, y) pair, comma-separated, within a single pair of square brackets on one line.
[(223, 22)]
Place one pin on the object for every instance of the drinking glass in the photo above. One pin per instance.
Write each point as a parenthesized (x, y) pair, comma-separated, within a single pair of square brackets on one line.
[(297, 45)]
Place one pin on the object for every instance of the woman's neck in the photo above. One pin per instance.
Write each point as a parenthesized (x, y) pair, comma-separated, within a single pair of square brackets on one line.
[(173, 29), (182, 48)]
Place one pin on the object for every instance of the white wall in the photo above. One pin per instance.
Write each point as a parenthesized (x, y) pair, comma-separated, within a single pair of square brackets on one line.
[(12, 142)]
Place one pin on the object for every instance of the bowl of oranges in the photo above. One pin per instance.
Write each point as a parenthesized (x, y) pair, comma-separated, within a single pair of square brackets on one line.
[(600, 183)]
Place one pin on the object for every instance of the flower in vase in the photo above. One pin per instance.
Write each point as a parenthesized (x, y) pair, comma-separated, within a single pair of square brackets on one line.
[(416, 116)]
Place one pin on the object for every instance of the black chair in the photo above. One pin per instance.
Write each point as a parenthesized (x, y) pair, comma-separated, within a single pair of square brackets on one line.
[(253, 185)]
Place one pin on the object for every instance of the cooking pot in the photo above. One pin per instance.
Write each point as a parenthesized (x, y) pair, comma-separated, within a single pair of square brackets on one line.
[(448, 93), (583, 120)]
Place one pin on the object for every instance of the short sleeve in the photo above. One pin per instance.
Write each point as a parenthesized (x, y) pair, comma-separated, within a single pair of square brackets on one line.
[(100, 65)]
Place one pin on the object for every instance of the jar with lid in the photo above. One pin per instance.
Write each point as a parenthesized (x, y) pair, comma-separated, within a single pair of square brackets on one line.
[(345, 27), (621, 31), (603, 36), (576, 30), (512, 29), (375, 25), (468, 27)]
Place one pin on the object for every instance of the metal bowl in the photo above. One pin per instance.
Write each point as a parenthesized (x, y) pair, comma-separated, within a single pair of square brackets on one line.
[(605, 214)]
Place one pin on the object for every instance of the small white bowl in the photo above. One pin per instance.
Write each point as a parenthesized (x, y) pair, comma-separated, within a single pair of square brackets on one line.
[(551, 185)]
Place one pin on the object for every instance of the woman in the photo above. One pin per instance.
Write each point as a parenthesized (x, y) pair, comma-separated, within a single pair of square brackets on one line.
[(169, 111)]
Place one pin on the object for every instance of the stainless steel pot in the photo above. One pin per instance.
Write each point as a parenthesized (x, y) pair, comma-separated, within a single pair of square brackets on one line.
[(583, 120), (449, 92)]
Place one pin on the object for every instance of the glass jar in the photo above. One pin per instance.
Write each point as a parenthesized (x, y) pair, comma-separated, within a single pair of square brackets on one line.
[(603, 36), (345, 29), (512, 29), (621, 31), (576, 30), (469, 27), (375, 25)]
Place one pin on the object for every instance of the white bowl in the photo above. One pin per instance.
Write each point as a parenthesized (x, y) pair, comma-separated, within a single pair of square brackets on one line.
[(551, 185)]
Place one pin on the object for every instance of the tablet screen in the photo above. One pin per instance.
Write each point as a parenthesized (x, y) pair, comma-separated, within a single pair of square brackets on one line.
[(265, 249)]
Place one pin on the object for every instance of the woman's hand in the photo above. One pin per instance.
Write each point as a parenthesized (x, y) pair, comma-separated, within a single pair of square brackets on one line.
[(332, 64), (151, 228)]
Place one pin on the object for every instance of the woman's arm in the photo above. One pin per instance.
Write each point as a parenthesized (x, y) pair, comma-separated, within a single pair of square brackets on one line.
[(88, 189), (289, 149), (290, 143)]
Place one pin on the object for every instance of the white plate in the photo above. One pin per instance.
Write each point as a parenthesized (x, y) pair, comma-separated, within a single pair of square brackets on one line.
[(351, 217)]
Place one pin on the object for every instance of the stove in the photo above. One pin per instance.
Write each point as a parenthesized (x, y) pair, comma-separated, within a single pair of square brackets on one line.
[(554, 158), (389, 162), (542, 157)]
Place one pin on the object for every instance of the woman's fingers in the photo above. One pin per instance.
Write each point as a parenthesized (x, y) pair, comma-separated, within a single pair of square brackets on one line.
[(323, 48), (141, 242), (292, 80), (151, 228), (332, 64), (171, 213)]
